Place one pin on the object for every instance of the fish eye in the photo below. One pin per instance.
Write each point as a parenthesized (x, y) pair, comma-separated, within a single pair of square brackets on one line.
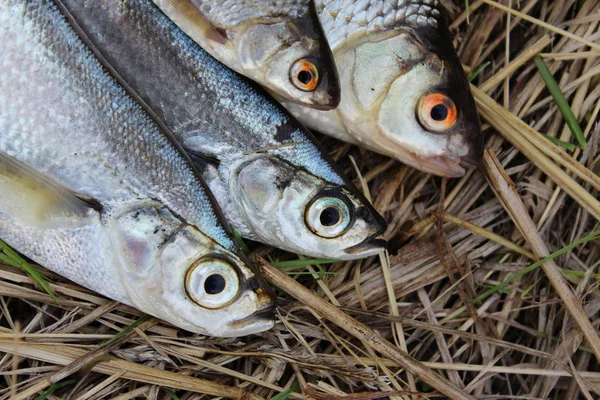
[(304, 75), (328, 216), (212, 282), (437, 112)]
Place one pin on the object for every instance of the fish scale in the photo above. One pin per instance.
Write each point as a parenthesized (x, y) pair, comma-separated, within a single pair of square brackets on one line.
[(95, 190), (265, 169), (341, 18), (234, 12), (277, 43), (114, 107), (405, 92)]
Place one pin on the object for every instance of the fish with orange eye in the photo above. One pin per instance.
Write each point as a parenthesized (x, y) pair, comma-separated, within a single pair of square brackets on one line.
[(279, 44), (404, 90)]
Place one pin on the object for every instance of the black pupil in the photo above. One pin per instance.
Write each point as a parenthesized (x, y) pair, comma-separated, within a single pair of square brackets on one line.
[(439, 112), (305, 77), (330, 216), (214, 284)]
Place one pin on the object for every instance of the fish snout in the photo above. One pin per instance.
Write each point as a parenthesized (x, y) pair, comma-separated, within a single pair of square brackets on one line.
[(368, 247), (328, 94)]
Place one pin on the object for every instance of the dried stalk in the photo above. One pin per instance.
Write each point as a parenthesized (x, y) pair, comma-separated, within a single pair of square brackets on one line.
[(504, 189), (359, 330)]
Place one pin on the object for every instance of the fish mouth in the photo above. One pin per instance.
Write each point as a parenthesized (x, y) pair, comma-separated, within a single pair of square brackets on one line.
[(448, 166), (369, 247), (264, 316), (469, 163)]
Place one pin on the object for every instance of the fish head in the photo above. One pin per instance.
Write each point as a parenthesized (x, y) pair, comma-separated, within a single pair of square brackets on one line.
[(415, 106), (297, 211), (291, 58), (175, 272)]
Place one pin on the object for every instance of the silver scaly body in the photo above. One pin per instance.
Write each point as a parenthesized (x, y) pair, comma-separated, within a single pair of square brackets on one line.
[(99, 194), (265, 169), (279, 44)]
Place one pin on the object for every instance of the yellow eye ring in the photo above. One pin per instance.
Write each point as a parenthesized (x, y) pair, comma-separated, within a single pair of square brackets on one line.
[(304, 75), (328, 216), (212, 283), (437, 112)]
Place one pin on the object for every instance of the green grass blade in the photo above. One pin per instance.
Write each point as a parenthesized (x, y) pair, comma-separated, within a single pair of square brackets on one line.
[(10, 257), (476, 73), (240, 242), (579, 274), (126, 330), (592, 236), (561, 143), (170, 393), (285, 394), (588, 238), (303, 263), (561, 101), (55, 387)]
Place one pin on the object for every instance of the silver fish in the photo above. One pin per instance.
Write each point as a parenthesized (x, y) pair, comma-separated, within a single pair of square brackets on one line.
[(404, 91), (279, 44), (274, 183), (95, 191)]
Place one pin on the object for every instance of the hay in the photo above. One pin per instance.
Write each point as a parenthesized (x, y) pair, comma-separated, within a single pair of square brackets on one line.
[(452, 309)]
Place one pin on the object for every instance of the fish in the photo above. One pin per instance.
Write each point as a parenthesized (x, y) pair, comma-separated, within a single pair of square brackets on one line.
[(270, 176), (279, 44), (405, 94), (97, 191)]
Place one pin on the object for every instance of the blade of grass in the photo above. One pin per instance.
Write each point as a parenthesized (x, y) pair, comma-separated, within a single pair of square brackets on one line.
[(539, 151), (500, 287), (240, 242), (321, 273), (127, 329), (286, 394), (561, 101), (588, 238), (561, 143), (10, 257), (55, 387), (475, 73), (170, 393)]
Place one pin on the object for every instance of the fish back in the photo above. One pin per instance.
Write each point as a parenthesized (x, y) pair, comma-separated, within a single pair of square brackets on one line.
[(64, 115)]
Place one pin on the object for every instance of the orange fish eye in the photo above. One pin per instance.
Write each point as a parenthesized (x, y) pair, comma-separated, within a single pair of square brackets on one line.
[(304, 75), (437, 112)]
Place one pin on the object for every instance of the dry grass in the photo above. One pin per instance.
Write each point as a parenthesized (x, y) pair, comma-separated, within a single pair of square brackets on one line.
[(454, 293)]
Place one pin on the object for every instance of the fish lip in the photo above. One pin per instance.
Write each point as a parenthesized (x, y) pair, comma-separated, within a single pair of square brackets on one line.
[(448, 166), (370, 246), (262, 315), (469, 163), (325, 106)]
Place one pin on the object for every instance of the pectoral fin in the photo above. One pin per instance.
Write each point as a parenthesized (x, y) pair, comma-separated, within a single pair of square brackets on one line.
[(33, 199), (191, 20)]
